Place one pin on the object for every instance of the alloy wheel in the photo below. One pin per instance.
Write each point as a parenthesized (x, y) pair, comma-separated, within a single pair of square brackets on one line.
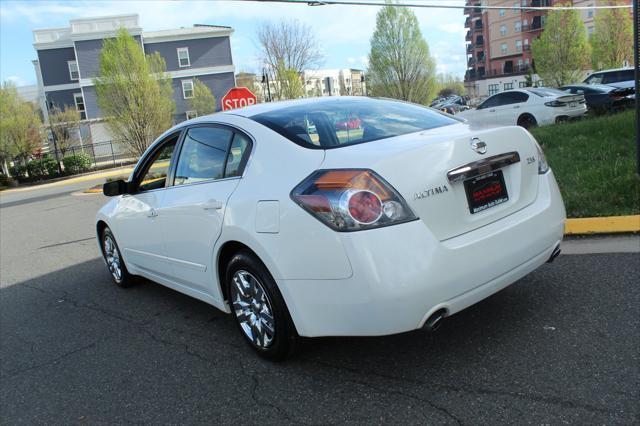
[(253, 309), (112, 256)]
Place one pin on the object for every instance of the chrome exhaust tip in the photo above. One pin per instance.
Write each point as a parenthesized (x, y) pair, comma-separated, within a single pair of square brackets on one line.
[(435, 321), (556, 253)]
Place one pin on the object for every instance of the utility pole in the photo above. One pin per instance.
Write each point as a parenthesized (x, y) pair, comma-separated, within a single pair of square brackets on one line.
[(53, 134), (265, 78), (636, 66)]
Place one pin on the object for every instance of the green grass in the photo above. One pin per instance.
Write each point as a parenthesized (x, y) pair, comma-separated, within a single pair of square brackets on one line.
[(594, 161)]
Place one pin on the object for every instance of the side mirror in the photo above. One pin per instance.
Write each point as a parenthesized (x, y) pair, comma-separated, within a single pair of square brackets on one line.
[(116, 187)]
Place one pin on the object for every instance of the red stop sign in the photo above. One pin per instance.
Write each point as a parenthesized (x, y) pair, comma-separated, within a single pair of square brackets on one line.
[(238, 97)]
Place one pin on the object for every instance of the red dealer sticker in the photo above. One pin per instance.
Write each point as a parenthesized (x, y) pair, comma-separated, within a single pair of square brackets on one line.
[(486, 191)]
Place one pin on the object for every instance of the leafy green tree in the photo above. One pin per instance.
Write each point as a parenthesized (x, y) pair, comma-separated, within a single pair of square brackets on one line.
[(399, 62), (612, 38), (289, 82), (448, 85), (562, 52), (65, 124), (133, 92), (20, 127), (203, 101)]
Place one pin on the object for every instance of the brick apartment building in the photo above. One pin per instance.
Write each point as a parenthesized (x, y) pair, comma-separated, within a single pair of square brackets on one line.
[(68, 60), (499, 42)]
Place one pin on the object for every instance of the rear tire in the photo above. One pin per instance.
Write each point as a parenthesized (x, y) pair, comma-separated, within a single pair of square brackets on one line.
[(258, 308), (527, 121), (112, 256)]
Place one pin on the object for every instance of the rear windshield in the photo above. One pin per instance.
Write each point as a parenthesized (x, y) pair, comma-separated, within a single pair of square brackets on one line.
[(546, 91), (338, 122)]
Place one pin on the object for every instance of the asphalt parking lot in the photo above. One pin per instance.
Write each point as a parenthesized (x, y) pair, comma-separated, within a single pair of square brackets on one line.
[(560, 346)]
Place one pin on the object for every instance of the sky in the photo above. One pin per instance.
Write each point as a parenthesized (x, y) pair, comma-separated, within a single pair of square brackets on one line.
[(343, 32)]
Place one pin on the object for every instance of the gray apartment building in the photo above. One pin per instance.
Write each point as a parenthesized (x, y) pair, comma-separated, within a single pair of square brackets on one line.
[(68, 62)]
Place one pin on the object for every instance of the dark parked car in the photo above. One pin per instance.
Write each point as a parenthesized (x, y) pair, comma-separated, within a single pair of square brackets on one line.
[(602, 98), (611, 77)]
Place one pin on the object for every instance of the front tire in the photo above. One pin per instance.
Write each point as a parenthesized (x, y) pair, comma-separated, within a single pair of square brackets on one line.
[(258, 307), (112, 256)]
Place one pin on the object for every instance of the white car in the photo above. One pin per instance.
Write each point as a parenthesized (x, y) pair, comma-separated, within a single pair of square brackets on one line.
[(527, 107), (383, 229)]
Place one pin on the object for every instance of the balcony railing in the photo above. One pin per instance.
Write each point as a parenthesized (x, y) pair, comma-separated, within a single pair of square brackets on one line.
[(540, 3), (468, 36), (470, 48), (516, 69)]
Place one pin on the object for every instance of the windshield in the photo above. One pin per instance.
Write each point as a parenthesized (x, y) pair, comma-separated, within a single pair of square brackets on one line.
[(347, 121)]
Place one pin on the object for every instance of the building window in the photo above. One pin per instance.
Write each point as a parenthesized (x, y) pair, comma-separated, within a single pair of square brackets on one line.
[(518, 46), (79, 100), (503, 48), (503, 30), (501, 12), (522, 84), (73, 70), (589, 31), (590, 12), (187, 89), (518, 26), (183, 57), (493, 89), (191, 114), (516, 8), (508, 86)]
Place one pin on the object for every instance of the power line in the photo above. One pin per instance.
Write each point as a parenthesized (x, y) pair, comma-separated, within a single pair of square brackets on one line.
[(435, 6)]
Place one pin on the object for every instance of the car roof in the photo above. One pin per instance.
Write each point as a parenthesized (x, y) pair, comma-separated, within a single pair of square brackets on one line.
[(611, 70), (273, 106)]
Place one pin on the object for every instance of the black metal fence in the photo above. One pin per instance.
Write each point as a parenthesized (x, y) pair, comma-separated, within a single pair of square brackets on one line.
[(103, 154)]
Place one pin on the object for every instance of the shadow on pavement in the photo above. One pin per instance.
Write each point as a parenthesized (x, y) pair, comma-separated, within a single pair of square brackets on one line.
[(560, 345)]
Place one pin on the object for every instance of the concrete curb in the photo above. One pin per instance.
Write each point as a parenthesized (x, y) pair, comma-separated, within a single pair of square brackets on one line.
[(602, 225), (124, 171)]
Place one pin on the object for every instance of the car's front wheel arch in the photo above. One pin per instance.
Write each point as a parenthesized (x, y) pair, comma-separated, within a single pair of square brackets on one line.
[(527, 120)]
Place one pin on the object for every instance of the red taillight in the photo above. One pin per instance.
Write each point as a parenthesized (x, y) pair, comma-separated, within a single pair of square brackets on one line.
[(351, 200), (364, 207)]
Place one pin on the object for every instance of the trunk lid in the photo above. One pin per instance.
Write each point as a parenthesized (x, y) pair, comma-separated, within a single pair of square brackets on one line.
[(416, 165)]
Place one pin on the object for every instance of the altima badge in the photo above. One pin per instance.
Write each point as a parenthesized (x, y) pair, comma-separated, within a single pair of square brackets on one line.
[(431, 191), (478, 146)]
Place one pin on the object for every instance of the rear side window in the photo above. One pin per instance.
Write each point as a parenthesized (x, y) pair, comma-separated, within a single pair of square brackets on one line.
[(339, 122), (203, 155), (594, 79)]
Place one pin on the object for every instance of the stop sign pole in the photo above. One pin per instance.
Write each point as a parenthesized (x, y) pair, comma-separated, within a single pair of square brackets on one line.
[(238, 97)]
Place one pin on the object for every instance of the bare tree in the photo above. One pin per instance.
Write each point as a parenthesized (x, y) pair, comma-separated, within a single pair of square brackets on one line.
[(287, 46)]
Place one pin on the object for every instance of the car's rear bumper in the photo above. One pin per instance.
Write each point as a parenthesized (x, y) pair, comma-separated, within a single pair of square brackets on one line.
[(402, 274)]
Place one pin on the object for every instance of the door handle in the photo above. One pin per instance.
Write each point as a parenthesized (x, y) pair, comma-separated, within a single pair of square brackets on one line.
[(492, 110), (212, 205), (516, 107), (152, 213)]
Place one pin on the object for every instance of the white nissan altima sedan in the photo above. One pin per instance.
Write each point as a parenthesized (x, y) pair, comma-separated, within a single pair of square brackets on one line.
[(302, 225)]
